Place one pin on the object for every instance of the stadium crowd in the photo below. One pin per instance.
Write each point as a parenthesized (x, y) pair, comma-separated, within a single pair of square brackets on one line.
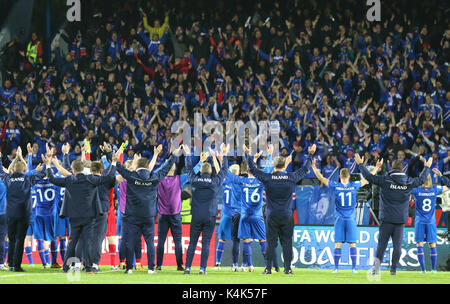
[(320, 68)]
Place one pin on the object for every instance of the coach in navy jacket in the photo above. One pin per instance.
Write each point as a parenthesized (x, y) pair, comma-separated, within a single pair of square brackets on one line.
[(18, 208), (203, 205), (395, 190), (279, 187), (81, 204), (140, 210)]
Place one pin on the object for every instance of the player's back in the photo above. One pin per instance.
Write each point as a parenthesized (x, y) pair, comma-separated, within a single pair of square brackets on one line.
[(252, 196), (44, 195), (228, 198), (426, 203), (345, 198)]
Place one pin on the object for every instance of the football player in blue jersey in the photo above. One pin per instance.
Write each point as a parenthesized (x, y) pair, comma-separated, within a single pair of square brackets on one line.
[(251, 223), (425, 229), (44, 195), (345, 228), (226, 215)]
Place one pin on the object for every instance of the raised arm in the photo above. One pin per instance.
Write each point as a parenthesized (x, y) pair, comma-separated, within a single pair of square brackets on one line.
[(416, 182), (61, 182), (373, 172), (300, 173), (156, 152), (319, 175), (60, 168), (377, 180), (165, 168), (445, 179)]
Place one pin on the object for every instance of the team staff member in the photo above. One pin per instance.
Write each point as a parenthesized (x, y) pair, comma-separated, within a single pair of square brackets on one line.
[(279, 187), (140, 209), (204, 205), (18, 209), (395, 190), (169, 208), (81, 205), (101, 221)]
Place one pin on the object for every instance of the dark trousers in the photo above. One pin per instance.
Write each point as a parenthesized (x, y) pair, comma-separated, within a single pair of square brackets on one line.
[(82, 232), (3, 233), (234, 237), (134, 228), (100, 229), (172, 222), (123, 244), (279, 227), (394, 231), (206, 228), (17, 230)]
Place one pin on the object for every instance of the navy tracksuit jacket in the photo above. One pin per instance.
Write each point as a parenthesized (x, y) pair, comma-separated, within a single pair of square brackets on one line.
[(141, 208), (81, 204), (18, 210), (203, 208), (279, 187), (395, 190)]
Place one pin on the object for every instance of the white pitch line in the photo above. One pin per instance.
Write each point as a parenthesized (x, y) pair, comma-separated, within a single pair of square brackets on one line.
[(43, 273)]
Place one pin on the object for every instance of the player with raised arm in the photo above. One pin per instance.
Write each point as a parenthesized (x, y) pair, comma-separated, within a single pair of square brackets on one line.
[(44, 195), (345, 228), (226, 216), (425, 229), (251, 224)]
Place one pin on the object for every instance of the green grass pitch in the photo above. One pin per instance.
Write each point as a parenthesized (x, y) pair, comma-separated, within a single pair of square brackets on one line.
[(37, 275)]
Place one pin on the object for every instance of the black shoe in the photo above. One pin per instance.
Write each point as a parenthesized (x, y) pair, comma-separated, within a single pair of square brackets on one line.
[(11, 269), (19, 269), (187, 271), (393, 272), (202, 272), (180, 268), (277, 269), (96, 270), (158, 268), (267, 271), (288, 271)]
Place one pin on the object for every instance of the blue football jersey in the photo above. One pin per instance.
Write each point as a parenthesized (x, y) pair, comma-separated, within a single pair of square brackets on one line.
[(44, 198), (235, 193), (227, 198), (426, 203), (252, 196), (345, 198)]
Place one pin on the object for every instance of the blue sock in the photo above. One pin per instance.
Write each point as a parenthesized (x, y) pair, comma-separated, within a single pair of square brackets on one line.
[(62, 248), (353, 255), (29, 253), (219, 252), (40, 247), (54, 250), (420, 257), (47, 256), (433, 256), (337, 257), (248, 253)]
